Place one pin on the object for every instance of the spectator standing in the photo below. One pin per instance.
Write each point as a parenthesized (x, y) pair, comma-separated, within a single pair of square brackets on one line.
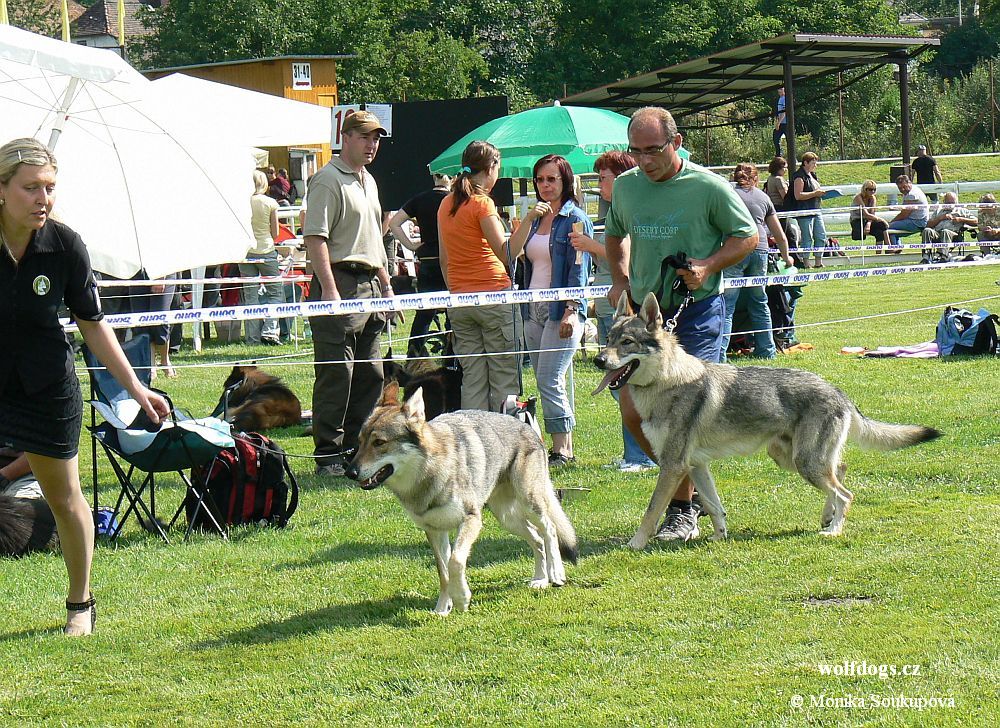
[(553, 330), (808, 195), (926, 169), (864, 221), (44, 265), (279, 187), (754, 264), (262, 260), (913, 216), (608, 166), (343, 235), (780, 127), (670, 206), (424, 209), (777, 189), (475, 258)]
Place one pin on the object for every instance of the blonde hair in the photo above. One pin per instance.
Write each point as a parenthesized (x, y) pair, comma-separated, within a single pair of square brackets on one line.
[(259, 182), (24, 151)]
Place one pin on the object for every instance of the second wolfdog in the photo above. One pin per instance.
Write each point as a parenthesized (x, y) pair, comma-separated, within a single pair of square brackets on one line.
[(694, 412), (444, 472)]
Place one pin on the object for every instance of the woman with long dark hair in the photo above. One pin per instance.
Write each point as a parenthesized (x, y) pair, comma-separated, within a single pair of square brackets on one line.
[(553, 330)]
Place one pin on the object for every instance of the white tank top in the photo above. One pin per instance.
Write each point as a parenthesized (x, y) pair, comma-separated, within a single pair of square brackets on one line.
[(537, 251)]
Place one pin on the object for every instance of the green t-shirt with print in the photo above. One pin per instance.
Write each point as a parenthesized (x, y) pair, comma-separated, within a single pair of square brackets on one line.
[(694, 211)]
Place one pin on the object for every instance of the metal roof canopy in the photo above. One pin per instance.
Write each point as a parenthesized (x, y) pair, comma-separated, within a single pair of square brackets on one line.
[(752, 70)]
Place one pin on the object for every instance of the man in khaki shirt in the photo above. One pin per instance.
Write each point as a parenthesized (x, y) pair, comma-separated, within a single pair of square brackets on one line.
[(343, 235)]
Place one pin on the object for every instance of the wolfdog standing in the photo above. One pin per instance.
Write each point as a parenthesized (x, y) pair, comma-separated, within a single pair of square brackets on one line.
[(694, 412), (444, 472)]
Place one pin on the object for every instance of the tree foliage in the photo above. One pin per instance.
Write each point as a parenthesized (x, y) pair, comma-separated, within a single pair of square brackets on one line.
[(533, 51)]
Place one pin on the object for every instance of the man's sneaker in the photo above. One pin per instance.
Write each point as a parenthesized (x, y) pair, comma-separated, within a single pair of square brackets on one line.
[(335, 470), (678, 526), (635, 467)]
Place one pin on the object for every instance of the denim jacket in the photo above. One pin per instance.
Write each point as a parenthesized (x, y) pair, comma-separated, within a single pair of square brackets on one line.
[(566, 272)]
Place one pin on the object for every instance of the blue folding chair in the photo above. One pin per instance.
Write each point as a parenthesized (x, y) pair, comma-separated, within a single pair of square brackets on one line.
[(134, 444)]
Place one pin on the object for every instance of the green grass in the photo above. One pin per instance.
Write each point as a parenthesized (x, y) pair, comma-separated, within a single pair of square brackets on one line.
[(329, 621)]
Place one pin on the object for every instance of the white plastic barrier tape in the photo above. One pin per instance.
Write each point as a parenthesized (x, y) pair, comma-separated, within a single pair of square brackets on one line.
[(420, 301)]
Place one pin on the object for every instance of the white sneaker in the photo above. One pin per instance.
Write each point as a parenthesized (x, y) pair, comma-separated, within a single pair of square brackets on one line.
[(635, 467), (615, 464)]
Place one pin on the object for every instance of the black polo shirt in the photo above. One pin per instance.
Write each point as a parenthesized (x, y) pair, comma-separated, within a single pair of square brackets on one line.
[(55, 268)]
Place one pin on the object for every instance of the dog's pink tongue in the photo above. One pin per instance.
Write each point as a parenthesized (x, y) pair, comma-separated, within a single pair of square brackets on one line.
[(608, 378)]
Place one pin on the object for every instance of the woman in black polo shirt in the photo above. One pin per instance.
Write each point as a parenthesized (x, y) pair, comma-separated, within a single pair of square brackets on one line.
[(43, 263)]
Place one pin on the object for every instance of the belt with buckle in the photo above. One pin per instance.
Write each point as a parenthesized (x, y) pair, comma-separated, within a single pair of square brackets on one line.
[(354, 267)]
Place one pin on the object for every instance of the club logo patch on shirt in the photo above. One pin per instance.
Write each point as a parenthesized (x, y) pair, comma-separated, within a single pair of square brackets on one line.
[(41, 285)]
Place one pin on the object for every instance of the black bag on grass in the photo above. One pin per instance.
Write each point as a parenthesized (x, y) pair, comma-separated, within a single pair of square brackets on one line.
[(247, 484)]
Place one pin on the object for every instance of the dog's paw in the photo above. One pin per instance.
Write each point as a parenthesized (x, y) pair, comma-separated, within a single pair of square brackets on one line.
[(832, 531), (443, 607), (542, 583), (638, 542)]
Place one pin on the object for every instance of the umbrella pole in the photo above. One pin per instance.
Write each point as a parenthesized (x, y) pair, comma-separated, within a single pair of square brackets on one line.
[(62, 113)]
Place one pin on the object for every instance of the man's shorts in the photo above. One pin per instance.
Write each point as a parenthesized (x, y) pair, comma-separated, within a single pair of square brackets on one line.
[(699, 328)]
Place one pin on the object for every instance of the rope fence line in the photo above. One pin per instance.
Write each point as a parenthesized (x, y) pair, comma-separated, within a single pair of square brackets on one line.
[(274, 361)]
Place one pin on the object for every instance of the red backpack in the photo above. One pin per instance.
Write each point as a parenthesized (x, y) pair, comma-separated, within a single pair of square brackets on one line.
[(246, 484)]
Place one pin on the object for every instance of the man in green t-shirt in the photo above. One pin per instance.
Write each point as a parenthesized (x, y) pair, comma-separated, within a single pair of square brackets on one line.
[(666, 206)]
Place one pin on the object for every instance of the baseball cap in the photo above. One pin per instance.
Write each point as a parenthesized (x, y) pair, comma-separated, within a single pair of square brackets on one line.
[(363, 121), (921, 148)]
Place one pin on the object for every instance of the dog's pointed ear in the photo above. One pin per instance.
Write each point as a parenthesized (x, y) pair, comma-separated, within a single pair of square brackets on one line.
[(624, 306), (650, 312), (413, 408), (390, 393)]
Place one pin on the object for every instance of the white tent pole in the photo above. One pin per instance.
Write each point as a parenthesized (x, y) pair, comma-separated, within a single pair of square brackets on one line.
[(62, 113)]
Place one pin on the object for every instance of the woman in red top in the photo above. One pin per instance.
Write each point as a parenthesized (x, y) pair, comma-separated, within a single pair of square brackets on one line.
[(474, 258)]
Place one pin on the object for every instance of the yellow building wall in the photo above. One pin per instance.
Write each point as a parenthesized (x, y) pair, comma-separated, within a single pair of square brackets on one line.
[(275, 77)]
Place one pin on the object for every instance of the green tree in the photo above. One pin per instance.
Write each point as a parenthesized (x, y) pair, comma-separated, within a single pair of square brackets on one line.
[(38, 16), (203, 31)]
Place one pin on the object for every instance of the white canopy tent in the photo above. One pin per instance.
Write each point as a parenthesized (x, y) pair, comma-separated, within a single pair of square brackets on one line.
[(248, 117), (141, 190)]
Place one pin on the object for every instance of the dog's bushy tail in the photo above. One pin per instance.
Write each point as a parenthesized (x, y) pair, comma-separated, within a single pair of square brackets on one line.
[(875, 435), (564, 530)]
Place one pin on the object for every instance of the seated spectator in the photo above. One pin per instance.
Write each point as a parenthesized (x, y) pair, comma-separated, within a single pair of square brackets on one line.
[(864, 221), (989, 225), (913, 216), (948, 222)]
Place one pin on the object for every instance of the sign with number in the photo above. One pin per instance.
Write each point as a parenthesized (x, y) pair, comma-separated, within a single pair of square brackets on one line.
[(339, 114), (302, 77), (384, 114)]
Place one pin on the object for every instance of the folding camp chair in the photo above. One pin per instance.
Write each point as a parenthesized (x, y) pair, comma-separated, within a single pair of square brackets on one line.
[(133, 444)]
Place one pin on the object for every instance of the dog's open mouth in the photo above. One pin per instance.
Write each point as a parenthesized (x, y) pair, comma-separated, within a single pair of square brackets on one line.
[(616, 378), (376, 480)]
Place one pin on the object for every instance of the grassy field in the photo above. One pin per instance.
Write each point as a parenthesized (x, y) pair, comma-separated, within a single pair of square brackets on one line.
[(329, 621)]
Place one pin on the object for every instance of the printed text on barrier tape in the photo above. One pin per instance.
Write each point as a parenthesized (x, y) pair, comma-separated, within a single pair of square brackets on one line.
[(420, 301)]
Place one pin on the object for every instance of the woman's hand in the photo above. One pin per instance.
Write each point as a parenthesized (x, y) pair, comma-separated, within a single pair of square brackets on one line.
[(567, 323), (154, 405), (586, 244), (540, 210)]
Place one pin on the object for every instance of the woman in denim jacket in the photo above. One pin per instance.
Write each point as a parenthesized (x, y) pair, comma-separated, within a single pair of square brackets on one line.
[(553, 329)]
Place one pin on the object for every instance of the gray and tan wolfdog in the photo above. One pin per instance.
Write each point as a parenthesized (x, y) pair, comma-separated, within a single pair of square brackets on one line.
[(444, 472), (693, 413)]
